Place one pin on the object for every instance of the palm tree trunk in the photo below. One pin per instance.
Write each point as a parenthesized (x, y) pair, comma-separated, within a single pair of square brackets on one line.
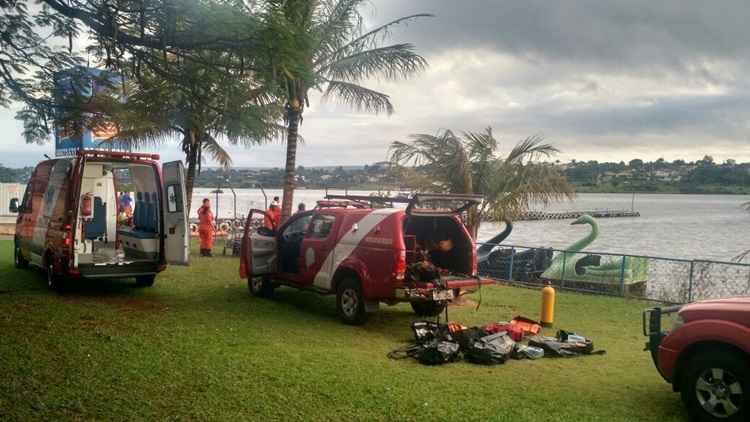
[(191, 158), (473, 220), (293, 116)]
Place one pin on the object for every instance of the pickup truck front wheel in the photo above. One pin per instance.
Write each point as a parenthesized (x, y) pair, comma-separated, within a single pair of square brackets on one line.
[(350, 303), (428, 308), (716, 387), (260, 286)]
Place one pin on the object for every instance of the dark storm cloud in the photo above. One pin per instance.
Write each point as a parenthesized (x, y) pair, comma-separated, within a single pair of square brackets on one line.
[(719, 115), (611, 33), (593, 73)]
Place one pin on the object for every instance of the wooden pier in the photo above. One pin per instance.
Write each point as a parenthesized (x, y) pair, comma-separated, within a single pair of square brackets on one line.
[(570, 215)]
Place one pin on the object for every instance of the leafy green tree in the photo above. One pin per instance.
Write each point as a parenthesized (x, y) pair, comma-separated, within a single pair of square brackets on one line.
[(190, 71), (471, 164), (38, 41), (635, 163), (322, 45), (29, 62), (199, 106)]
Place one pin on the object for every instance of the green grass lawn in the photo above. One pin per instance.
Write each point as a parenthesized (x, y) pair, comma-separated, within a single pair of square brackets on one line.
[(198, 346)]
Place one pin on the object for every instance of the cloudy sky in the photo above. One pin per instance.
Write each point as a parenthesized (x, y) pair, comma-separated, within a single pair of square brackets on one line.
[(602, 80)]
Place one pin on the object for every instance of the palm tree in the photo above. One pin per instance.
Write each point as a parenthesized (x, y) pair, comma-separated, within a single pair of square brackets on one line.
[(321, 45), (200, 109), (470, 164)]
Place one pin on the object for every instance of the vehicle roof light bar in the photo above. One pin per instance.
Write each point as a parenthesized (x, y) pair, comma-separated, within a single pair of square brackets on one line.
[(94, 153)]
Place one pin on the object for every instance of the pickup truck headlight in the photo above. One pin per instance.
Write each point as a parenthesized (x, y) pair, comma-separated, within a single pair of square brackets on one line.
[(677, 322)]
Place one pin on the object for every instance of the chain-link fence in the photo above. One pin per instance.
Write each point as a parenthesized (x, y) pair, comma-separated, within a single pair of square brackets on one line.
[(648, 277)]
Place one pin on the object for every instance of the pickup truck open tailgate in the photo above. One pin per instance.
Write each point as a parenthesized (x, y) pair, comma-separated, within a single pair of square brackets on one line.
[(434, 291)]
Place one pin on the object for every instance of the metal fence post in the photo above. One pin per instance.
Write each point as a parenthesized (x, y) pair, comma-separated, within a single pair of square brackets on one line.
[(622, 277), (562, 276), (690, 283), (510, 265)]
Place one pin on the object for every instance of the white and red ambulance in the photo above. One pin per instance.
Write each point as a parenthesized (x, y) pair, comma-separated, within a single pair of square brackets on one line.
[(368, 251), (68, 219)]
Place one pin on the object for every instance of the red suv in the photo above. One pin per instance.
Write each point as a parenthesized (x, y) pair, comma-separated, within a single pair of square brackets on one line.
[(74, 219), (366, 251), (706, 356)]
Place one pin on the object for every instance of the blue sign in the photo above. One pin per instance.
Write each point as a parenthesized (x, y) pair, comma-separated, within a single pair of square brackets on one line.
[(85, 83)]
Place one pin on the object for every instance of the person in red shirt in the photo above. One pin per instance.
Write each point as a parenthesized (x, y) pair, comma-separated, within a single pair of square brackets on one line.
[(272, 219), (206, 227)]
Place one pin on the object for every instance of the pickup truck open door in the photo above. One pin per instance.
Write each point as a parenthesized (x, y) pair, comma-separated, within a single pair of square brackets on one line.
[(259, 252), (175, 232)]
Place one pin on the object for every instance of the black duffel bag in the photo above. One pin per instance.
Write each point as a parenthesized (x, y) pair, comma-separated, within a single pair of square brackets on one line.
[(490, 350), (437, 352)]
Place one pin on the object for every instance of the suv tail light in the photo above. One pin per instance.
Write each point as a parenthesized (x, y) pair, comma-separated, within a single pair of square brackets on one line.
[(67, 236), (400, 265)]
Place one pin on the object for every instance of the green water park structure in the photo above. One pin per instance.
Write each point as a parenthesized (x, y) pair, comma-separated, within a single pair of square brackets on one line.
[(574, 266)]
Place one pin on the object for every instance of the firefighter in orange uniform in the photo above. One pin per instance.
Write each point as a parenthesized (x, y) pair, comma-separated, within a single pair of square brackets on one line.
[(272, 219), (206, 227)]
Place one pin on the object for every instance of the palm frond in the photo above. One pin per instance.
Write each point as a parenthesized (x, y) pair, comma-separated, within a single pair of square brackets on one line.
[(216, 151), (444, 156), (369, 39), (392, 62), (337, 20), (470, 164), (147, 136), (530, 149), (513, 188), (359, 97)]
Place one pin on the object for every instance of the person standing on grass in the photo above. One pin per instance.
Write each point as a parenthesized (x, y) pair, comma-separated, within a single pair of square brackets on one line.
[(206, 227), (273, 215)]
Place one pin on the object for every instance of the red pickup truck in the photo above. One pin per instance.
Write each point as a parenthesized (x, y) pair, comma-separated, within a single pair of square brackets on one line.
[(367, 251), (706, 356)]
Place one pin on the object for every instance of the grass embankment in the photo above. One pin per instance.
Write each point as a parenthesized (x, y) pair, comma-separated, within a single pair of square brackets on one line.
[(197, 346)]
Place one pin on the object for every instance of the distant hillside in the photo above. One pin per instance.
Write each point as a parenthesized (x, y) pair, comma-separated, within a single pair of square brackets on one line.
[(11, 175)]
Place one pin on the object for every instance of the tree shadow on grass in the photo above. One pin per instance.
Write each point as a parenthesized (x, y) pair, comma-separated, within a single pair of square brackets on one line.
[(122, 293), (659, 398), (393, 322), (15, 280)]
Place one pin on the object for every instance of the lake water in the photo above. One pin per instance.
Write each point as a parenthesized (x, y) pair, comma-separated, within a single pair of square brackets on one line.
[(680, 226)]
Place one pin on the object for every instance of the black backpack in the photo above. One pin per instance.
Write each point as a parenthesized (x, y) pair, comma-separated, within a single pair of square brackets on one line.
[(433, 344)]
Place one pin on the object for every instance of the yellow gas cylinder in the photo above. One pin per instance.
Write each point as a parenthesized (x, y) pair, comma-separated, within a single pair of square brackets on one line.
[(548, 306)]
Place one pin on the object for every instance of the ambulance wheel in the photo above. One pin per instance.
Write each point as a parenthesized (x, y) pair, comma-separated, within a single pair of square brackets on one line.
[(145, 280), (428, 308), (55, 282), (260, 286), (18, 258), (350, 304)]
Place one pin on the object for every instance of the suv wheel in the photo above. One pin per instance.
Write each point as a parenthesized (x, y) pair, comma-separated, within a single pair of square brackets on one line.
[(145, 280), (350, 304), (18, 258), (716, 387), (260, 286), (428, 308), (54, 281)]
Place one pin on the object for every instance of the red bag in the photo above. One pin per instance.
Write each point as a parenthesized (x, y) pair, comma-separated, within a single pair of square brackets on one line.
[(514, 331), (528, 326)]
